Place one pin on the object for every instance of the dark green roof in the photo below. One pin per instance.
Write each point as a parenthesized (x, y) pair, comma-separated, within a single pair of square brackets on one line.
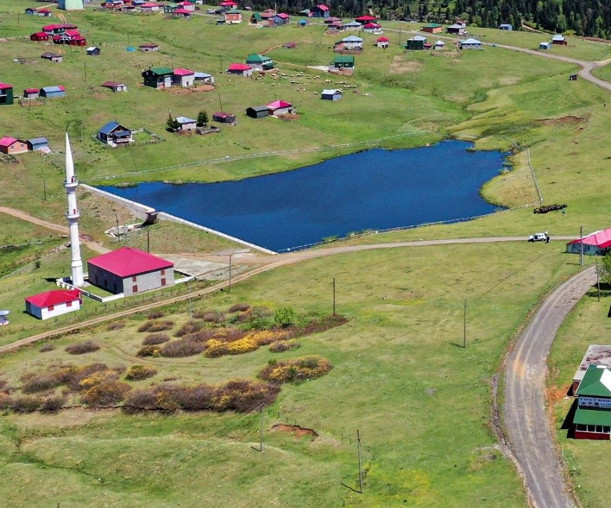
[(343, 59), (161, 70), (592, 417), (254, 58), (596, 382)]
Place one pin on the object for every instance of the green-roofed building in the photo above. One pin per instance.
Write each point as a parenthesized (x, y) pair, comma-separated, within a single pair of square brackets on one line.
[(260, 62), (592, 418), (158, 77), (342, 62), (256, 18)]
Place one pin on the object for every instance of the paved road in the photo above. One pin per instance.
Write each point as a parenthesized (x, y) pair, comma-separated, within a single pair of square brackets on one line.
[(526, 418)]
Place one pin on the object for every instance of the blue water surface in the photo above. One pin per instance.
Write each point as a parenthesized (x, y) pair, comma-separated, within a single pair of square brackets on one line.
[(375, 189)]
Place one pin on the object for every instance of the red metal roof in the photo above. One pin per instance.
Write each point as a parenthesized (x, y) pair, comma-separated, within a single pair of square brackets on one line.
[(323, 7), (227, 3), (183, 72), (182, 11), (128, 261), (600, 239), (54, 297), (238, 67), (7, 141), (366, 18), (382, 39), (31, 90), (72, 33), (5, 86), (279, 105), (283, 15), (372, 25)]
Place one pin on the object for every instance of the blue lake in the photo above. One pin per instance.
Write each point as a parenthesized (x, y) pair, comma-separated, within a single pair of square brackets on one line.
[(375, 189)]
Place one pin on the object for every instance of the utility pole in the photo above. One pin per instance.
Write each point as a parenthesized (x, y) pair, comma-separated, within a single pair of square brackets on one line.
[(358, 444), (118, 230), (44, 189), (148, 240), (229, 286), (333, 296), (580, 245), (261, 432), (597, 278), (464, 326)]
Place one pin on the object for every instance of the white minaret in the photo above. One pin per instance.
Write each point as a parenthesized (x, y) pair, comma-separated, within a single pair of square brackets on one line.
[(73, 215)]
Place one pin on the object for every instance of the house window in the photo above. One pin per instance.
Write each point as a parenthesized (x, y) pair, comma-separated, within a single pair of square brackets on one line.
[(51, 308), (134, 288), (163, 281), (68, 304), (162, 272), (134, 278)]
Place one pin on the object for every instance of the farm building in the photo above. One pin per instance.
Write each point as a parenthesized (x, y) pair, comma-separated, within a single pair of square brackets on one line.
[(53, 57), (93, 51), (183, 77), (58, 28), (233, 16), (39, 36), (38, 144), (115, 134), (372, 28), (12, 146), (342, 62), (279, 19), (260, 62), (6, 94), (53, 303), (416, 42), (203, 77), (544, 45), (559, 39), (432, 28), (115, 86), (438, 45), (151, 7), (186, 123), (182, 13), (277, 108), (187, 6), (352, 42), (70, 5), (129, 271), (223, 117), (352, 25), (32, 11), (149, 46), (457, 29), (53, 92), (470, 43), (31, 93), (319, 11), (592, 419), (158, 77), (240, 69), (227, 5), (169, 8), (595, 243), (331, 95), (506, 26), (257, 111), (363, 20), (336, 25), (597, 354), (382, 42)]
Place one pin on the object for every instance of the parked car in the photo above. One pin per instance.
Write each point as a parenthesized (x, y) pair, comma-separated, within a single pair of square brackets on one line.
[(539, 237)]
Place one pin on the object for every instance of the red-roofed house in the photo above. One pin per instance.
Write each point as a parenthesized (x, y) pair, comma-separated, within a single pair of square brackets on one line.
[(12, 146), (228, 4), (320, 11), (593, 244), (39, 36), (382, 42), (241, 69), (183, 77), (182, 13), (366, 19), (129, 271), (31, 93), (278, 108), (6, 94), (151, 7), (372, 28), (53, 303)]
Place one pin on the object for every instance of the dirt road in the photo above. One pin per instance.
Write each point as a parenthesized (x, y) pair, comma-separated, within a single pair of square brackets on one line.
[(526, 418)]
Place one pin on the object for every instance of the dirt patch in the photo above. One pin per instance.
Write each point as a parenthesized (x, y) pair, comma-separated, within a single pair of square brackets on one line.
[(295, 430), (289, 117), (400, 66), (565, 120), (554, 393)]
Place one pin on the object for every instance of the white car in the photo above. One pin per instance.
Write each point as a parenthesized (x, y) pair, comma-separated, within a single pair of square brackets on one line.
[(539, 237)]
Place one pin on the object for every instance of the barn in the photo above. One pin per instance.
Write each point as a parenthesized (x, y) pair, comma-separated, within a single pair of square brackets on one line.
[(6, 94), (53, 303), (277, 108), (129, 271), (257, 111), (595, 243)]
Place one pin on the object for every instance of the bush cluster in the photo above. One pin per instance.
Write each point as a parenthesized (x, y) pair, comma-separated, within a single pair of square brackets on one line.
[(155, 314), (138, 372), (156, 326), (155, 338), (249, 342), (296, 370), (106, 393), (187, 346), (72, 376), (80, 348), (189, 327), (26, 404), (210, 316), (239, 395), (41, 383), (283, 345), (45, 348), (53, 403), (239, 307), (149, 350), (116, 325)]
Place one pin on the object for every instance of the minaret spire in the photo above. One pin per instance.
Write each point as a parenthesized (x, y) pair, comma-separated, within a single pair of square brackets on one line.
[(73, 216)]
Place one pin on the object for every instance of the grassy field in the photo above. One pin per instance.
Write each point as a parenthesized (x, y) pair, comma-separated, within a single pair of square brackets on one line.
[(421, 402), (588, 324)]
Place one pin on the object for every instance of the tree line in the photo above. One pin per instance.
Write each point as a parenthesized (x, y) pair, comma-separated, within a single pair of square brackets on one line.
[(591, 18)]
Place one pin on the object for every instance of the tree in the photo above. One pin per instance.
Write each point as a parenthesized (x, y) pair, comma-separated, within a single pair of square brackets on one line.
[(172, 123), (285, 317), (604, 269), (202, 118)]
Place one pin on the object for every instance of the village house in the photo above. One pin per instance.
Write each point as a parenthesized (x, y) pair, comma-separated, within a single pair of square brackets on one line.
[(223, 117), (13, 146), (6, 94), (257, 111), (185, 123), (39, 36), (183, 77), (240, 69), (38, 145), (31, 93), (187, 6), (559, 40), (363, 20), (342, 62), (350, 43), (506, 26), (331, 95), (170, 7), (233, 16), (457, 29), (149, 46), (336, 26), (70, 5), (544, 45), (470, 43), (259, 62), (319, 11), (151, 7), (32, 11), (331, 19), (277, 108), (382, 42), (597, 243), (115, 86), (182, 13), (130, 271), (352, 25), (53, 303), (115, 134), (53, 92), (228, 5), (597, 354), (432, 28), (280, 19), (93, 51), (592, 419), (58, 28), (204, 77), (158, 77), (372, 28), (416, 42)]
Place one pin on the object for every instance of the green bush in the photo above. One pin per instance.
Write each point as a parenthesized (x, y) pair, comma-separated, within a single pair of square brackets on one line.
[(139, 372)]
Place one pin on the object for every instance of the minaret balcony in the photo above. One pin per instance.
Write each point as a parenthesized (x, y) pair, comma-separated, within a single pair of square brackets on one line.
[(72, 184), (73, 215)]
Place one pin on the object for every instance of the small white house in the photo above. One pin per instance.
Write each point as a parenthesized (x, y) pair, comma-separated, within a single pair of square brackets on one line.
[(183, 77), (186, 123), (53, 303), (544, 45), (470, 43), (331, 95), (352, 42)]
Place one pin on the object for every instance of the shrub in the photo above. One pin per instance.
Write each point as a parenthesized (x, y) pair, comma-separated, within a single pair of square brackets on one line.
[(53, 403), (45, 348), (105, 394), (245, 344), (182, 347), (98, 377), (244, 396), (72, 376), (81, 348), (3, 385), (6, 402), (138, 372), (296, 370), (239, 307), (152, 350), (116, 325), (283, 345), (155, 338), (155, 314), (40, 383), (189, 327), (285, 317), (26, 404), (210, 317), (140, 400), (156, 326)]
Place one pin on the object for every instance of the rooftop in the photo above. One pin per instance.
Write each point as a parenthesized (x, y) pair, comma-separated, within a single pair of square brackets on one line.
[(596, 382), (129, 261), (54, 297)]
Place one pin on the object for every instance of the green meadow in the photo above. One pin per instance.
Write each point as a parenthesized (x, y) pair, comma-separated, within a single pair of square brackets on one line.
[(421, 402)]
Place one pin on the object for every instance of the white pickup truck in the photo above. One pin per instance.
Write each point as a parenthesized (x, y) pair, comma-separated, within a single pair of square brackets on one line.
[(539, 237)]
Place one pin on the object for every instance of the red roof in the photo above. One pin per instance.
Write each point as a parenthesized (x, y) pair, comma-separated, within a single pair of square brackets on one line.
[(283, 15), (323, 7), (5, 86), (183, 72), (72, 33), (239, 67), (54, 297), (600, 239), (40, 34), (65, 26), (222, 115), (7, 141), (366, 18), (372, 25), (182, 11), (149, 45), (128, 261), (227, 3), (279, 105), (382, 39), (31, 90)]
